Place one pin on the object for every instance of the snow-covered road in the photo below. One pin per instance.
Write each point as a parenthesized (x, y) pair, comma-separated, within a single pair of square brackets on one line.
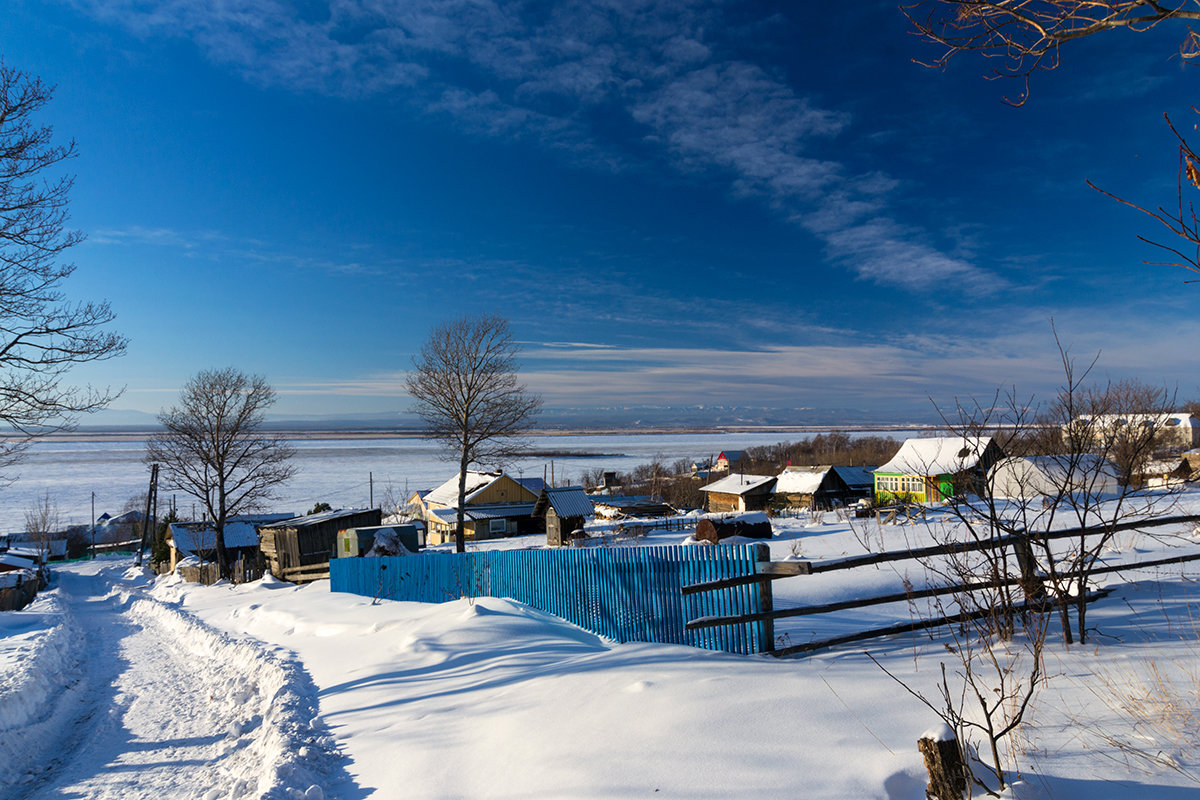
[(152, 703)]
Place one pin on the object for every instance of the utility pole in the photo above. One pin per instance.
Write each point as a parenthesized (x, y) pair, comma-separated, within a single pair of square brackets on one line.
[(371, 481), (93, 524), (151, 510)]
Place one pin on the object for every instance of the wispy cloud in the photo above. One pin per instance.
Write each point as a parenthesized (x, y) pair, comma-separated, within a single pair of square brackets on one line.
[(598, 81)]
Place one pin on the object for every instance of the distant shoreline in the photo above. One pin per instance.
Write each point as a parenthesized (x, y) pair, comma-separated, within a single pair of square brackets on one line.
[(133, 434)]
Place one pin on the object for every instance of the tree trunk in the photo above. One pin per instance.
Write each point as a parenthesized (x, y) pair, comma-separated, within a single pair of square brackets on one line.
[(219, 537), (944, 763), (460, 538)]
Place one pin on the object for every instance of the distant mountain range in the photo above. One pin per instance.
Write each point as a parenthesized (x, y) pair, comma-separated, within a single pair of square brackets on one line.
[(574, 419)]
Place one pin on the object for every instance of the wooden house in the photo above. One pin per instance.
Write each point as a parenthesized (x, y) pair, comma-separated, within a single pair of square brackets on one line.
[(810, 487), (199, 539), (935, 469), (495, 506), (729, 460), (1164, 472), (738, 492), (860, 480), (565, 510), (299, 549)]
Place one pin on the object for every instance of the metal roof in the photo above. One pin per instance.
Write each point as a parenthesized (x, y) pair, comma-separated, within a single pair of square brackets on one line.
[(567, 501), (494, 511)]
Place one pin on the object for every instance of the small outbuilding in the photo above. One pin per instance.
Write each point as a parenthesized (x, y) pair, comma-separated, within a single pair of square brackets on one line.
[(739, 492), (299, 549), (565, 510), (356, 542)]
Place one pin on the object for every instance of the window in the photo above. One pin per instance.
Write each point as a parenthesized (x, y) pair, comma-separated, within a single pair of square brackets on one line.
[(497, 526)]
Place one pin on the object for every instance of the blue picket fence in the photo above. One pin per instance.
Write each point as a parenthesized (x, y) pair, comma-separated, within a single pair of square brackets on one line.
[(627, 594)]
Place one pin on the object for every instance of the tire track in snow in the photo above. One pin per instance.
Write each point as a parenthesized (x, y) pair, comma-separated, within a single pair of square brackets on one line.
[(167, 707)]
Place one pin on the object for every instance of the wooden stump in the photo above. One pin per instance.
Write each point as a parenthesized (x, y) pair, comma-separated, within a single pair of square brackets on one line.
[(943, 762)]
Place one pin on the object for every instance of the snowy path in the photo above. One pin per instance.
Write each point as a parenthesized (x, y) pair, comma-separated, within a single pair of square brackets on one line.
[(162, 706)]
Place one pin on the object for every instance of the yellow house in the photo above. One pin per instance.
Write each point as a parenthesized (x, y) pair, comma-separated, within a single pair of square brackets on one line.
[(495, 506)]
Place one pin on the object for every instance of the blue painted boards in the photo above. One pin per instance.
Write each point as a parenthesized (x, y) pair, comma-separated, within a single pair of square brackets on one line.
[(627, 594)]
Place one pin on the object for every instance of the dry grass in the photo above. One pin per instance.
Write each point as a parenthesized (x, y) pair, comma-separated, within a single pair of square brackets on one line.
[(1155, 715)]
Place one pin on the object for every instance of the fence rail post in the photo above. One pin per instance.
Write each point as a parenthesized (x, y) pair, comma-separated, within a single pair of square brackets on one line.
[(766, 628)]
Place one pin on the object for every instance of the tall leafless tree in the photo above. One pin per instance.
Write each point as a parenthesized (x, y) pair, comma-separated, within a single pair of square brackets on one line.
[(464, 382), (214, 447), (43, 522), (42, 333), (1021, 37)]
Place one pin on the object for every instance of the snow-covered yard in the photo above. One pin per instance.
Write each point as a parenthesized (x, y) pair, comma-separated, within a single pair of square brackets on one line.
[(117, 685)]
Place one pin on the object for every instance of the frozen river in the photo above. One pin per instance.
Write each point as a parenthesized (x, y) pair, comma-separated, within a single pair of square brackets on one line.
[(336, 471)]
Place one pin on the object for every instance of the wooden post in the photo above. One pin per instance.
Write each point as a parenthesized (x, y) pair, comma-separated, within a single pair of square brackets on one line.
[(944, 763), (1031, 583), (767, 626)]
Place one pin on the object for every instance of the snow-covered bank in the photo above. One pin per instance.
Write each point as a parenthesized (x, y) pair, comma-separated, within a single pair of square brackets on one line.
[(120, 695), (494, 699), (39, 660)]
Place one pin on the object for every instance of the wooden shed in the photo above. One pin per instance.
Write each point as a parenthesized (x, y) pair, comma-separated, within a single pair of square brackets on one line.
[(565, 510), (299, 549), (739, 492), (810, 487)]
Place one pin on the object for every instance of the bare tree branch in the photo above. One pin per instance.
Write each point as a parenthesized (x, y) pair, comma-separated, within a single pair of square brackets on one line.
[(214, 448), (42, 334), (464, 382)]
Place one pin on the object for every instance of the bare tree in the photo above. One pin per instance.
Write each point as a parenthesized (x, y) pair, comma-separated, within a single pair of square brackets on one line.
[(1024, 36), (1021, 37), (214, 447), (42, 522), (1072, 464), (465, 385), (42, 334)]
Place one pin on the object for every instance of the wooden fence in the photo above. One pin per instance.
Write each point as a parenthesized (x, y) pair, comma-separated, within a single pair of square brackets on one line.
[(1019, 543), (242, 570), (627, 594), (14, 598)]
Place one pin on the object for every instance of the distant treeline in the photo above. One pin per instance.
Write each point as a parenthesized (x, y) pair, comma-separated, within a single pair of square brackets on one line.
[(679, 484)]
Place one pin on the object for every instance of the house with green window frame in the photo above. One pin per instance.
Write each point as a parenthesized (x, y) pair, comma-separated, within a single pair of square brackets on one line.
[(937, 468)]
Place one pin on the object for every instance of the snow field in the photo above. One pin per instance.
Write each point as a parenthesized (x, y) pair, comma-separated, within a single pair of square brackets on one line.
[(119, 695), (39, 663), (275, 742)]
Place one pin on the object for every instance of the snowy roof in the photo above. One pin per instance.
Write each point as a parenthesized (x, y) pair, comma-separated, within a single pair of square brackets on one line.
[(1056, 467), (447, 493), (738, 483), (567, 501), (938, 455), (198, 537), (12, 561), (800, 480)]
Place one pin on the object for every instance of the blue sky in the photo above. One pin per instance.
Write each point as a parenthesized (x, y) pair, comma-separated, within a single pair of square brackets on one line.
[(675, 203)]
